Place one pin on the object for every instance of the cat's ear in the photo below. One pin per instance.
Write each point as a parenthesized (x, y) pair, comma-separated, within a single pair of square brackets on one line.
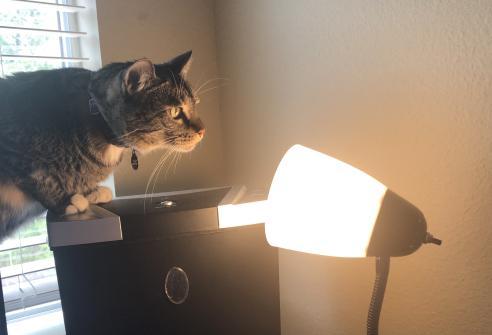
[(181, 64), (139, 75)]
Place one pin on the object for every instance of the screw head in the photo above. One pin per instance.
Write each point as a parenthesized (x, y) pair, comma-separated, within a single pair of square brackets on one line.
[(166, 204)]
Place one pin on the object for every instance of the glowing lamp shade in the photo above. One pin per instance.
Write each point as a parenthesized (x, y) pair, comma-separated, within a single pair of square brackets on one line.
[(320, 205)]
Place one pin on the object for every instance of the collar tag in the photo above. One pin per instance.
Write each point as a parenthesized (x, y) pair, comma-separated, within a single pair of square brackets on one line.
[(134, 160), (93, 109)]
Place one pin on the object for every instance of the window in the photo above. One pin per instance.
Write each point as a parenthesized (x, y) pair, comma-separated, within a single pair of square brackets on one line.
[(40, 35)]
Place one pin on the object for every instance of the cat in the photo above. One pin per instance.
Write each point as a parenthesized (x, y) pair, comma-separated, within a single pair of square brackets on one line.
[(63, 131)]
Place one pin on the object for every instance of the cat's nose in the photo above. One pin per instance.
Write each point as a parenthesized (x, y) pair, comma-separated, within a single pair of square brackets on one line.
[(201, 132)]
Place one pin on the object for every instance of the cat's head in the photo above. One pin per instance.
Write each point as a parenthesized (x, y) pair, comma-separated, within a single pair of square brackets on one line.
[(149, 106)]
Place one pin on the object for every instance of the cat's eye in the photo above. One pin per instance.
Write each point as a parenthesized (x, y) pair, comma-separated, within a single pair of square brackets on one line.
[(176, 112)]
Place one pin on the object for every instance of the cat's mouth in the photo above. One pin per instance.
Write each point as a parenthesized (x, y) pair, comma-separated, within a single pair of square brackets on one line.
[(184, 148), (145, 148), (189, 145)]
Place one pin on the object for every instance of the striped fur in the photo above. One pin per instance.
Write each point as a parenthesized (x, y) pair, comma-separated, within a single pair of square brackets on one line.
[(54, 147)]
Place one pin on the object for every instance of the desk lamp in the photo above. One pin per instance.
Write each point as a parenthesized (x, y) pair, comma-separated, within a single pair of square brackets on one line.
[(320, 205)]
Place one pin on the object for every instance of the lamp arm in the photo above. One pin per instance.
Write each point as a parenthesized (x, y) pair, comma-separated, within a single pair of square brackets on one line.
[(382, 271)]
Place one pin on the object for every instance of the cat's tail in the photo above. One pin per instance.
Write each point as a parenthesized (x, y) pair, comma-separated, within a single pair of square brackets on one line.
[(11, 218)]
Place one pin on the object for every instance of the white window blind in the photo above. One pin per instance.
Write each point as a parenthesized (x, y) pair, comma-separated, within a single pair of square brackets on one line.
[(40, 35)]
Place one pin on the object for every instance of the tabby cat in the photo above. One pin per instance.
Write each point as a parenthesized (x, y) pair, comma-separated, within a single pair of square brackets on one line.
[(64, 131)]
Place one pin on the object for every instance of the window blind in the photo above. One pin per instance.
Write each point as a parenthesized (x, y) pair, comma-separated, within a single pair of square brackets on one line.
[(40, 35)]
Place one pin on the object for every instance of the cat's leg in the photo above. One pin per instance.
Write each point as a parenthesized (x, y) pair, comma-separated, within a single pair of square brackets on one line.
[(78, 204), (52, 195), (100, 195)]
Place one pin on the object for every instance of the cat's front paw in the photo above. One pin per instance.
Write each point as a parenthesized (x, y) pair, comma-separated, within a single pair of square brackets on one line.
[(78, 204), (101, 195)]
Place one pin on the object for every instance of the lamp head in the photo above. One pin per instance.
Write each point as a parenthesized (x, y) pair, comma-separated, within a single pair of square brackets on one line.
[(318, 204)]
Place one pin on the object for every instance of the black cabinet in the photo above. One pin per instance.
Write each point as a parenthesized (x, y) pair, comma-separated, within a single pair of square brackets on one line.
[(218, 281)]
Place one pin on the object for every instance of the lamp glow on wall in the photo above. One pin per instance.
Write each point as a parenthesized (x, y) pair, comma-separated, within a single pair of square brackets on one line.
[(320, 205)]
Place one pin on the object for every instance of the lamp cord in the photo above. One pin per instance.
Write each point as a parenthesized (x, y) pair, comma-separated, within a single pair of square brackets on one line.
[(382, 271)]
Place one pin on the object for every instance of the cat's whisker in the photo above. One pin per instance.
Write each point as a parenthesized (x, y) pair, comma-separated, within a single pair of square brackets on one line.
[(178, 157), (200, 77), (180, 154), (168, 168), (162, 159), (173, 162), (208, 82), (156, 177), (171, 154), (169, 164), (198, 92), (160, 169), (150, 179), (211, 89), (163, 156)]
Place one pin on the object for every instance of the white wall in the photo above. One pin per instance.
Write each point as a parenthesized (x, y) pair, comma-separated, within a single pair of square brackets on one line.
[(400, 89), (160, 30)]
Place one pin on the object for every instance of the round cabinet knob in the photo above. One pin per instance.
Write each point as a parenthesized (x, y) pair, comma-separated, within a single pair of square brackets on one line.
[(176, 285)]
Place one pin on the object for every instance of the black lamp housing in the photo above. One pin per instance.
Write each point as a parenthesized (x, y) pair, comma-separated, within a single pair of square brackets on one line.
[(400, 228)]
